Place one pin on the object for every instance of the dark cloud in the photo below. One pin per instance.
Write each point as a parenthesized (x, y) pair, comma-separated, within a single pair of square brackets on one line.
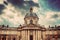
[(53, 5), (55, 16), (16, 2), (1, 8), (20, 3), (6, 3)]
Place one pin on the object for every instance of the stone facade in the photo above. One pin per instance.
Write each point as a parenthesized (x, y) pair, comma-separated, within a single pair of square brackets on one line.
[(31, 30)]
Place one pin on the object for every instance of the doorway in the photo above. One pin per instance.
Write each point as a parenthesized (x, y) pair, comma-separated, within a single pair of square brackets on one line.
[(31, 37), (4, 37)]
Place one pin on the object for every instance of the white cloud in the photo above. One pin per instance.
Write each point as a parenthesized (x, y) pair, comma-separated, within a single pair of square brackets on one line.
[(11, 14), (1, 1), (35, 9), (36, 1), (15, 16), (0, 19), (47, 18)]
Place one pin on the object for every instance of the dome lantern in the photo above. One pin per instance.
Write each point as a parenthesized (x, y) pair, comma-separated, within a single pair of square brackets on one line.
[(31, 16)]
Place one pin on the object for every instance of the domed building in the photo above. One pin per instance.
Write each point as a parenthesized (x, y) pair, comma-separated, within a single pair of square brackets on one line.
[(31, 30)]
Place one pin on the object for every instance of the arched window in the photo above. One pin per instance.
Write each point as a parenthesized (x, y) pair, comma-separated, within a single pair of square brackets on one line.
[(19, 37), (31, 21)]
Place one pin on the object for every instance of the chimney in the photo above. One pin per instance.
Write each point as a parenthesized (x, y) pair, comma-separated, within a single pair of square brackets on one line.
[(7, 26), (49, 26), (55, 26), (20, 25), (3, 25)]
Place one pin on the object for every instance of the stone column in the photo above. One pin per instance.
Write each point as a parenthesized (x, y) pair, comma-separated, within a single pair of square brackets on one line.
[(56, 37), (6, 37), (1, 37), (23, 35), (17, 38), (20, 37), (28, 35), (39, 35), (11, 37), (50, 37), (34, 35)]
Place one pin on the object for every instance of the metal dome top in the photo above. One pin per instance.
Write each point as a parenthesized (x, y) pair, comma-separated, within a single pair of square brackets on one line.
[(31, 14)]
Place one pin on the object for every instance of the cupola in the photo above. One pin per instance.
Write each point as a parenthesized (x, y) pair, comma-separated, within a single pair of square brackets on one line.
[(31, 17)]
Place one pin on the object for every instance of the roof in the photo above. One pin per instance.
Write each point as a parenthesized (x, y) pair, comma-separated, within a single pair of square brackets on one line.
[(32, 27), (31, 15)]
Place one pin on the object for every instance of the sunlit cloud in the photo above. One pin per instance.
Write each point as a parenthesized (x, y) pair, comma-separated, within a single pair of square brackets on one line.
[(1, 1), (14, 16)]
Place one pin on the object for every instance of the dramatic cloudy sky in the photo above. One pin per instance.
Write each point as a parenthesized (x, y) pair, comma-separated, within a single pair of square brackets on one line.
[(12, 12)]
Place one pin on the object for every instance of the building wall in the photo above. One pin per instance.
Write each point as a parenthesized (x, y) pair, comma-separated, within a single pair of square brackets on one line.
[(35, 33), (9, 34), (25, 34)]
